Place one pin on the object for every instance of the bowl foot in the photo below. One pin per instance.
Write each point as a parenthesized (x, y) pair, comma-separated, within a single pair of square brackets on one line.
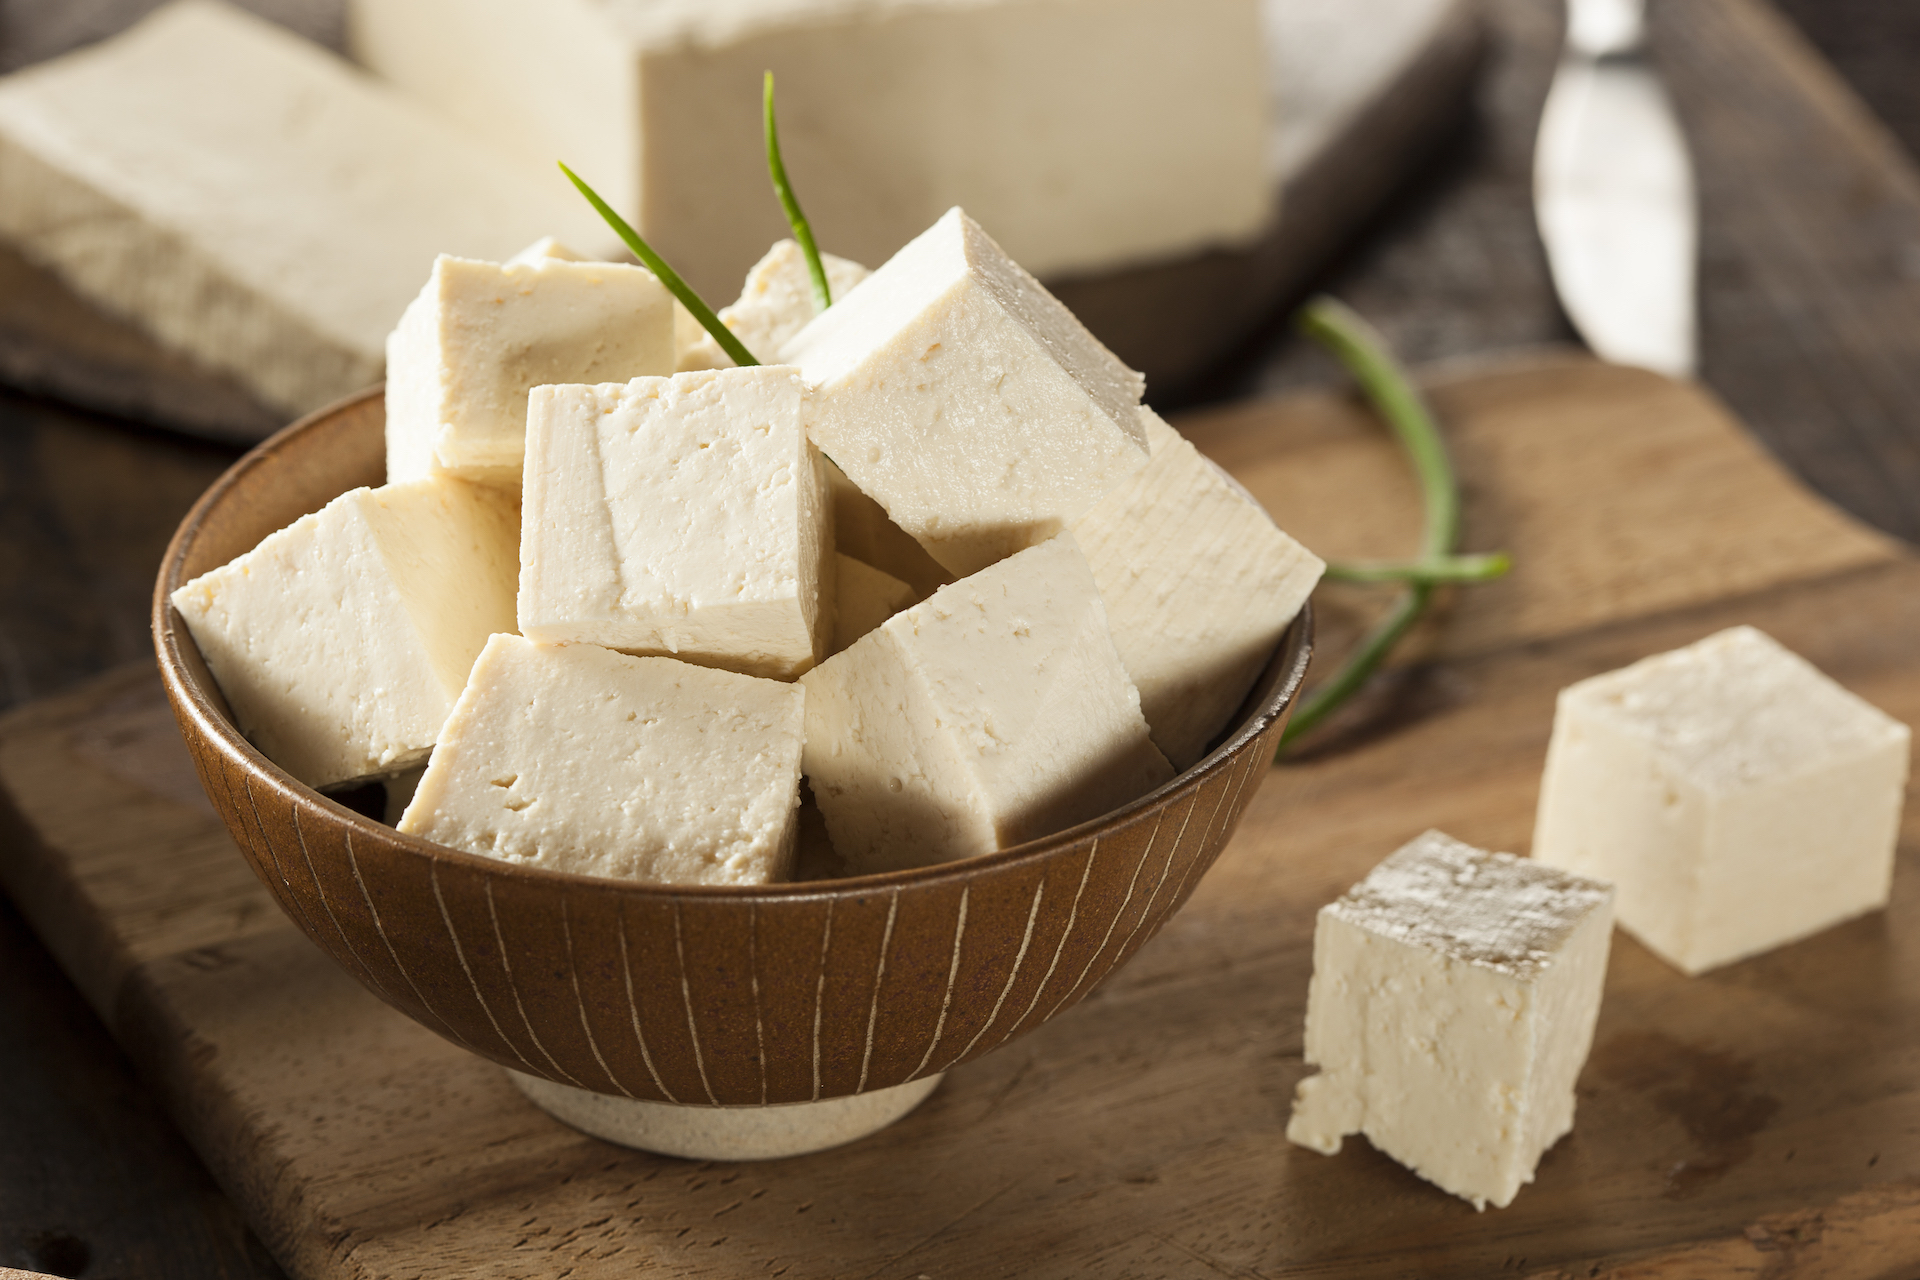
[(724, 1133)]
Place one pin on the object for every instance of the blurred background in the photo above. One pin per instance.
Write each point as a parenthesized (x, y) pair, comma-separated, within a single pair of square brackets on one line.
[(1803, 117)]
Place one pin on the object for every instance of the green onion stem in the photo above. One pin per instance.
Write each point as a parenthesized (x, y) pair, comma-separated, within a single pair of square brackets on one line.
[(822, 296), (1361, 349), (1445, 569), (668, 276)]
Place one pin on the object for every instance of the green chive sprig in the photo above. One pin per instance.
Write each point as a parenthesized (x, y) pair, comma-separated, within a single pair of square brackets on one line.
[(1361, 349), (667, 275), (790, 203)]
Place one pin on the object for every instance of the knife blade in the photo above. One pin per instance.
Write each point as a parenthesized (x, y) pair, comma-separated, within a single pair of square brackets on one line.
[(1614, 195)]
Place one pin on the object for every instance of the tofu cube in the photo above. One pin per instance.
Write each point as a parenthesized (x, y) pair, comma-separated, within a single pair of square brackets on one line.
[(1094, 134), (481, 335), (1738, 797), (775, 303), (966, 400), (1453, 1002), (251, 200), (864, 598), (994, 712), (863, 531), (684, 516), (1198, 582), (576, 758), (342, 641)]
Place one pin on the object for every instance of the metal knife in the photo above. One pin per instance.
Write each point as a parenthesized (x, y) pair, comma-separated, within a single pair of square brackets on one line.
[(1613, 194)]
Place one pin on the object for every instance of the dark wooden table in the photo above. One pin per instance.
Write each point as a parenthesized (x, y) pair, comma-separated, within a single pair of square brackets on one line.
[(1811, 331)]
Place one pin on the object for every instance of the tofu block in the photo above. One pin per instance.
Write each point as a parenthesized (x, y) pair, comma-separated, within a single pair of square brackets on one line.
[(864, 598), (481, 335), (341, 641), (1453, 1002), (252, 201), (862, 530), (775, 303), (684, 516), (575, 758), (966, 400), (1089, 133), (1198, 582), (992, 713), (1738, 797)]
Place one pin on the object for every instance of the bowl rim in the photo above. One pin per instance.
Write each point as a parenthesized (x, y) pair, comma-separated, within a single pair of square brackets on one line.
[(191, 701)]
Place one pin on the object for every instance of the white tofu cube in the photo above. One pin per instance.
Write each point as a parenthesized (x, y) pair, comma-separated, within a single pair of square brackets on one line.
[(251, 200), (341, 641), (576, 758), (864, 598), (992, 713), (1092, 134), (481, 335), (685, 516), (1453, 1002), (862, 530), (775, 303), (1738, 797), (966, 400), (1198, 582)]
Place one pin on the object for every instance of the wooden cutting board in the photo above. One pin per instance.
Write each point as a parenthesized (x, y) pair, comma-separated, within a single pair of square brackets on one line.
[(1760, 1120)]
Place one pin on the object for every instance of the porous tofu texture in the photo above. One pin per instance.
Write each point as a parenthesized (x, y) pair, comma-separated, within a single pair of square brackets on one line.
[(966, 400), (775, 303), (481, 335), (1198, 582), (1091, 133), (252, 200), (1453, 1003), (683, 516), (992, 713), (575, 758), (342, 641), (1738, 797)]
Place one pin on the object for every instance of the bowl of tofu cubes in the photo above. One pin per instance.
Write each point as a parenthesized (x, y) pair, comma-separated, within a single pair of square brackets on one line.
[(750, 745)]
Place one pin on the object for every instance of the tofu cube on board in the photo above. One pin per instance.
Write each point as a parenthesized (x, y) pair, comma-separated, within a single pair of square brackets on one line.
[(775, 303), (1453, 1002), (576, 758), (966, 400), (684, 516), (1737, 796), (251, 200), (1198, 582), (1095, 133), (342, 641), (481, 335), (993, 712)]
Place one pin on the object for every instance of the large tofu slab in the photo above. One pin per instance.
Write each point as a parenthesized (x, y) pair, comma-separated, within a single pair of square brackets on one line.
[(342, 641), (1453, 1002), (775, 303), (993, 713), (481, 335), (1198, 582), (576, 758), (251, 200), (685, 516), (966, 400), (1088, 133), (1737, 796)]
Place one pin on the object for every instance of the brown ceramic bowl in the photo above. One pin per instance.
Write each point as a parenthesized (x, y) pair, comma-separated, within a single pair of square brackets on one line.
[(785, 993)]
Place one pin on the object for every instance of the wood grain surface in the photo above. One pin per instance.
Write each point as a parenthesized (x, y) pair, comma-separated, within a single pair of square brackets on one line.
[(1762, 1119)]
